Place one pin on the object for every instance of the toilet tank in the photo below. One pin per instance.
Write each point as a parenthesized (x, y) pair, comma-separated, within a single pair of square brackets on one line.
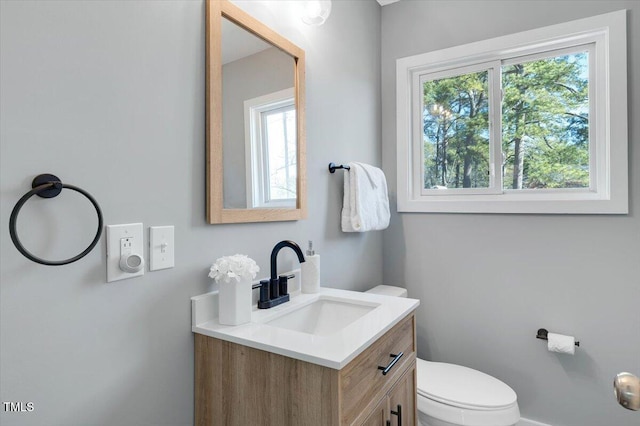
[(388, 290)]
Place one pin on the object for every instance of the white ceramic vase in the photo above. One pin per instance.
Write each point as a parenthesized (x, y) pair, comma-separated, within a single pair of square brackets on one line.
[(234, 302)]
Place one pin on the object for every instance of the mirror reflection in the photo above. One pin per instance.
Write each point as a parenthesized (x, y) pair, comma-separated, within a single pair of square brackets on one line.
[(259, 132)]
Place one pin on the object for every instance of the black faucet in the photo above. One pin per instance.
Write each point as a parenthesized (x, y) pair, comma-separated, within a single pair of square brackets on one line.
[(273, 292)]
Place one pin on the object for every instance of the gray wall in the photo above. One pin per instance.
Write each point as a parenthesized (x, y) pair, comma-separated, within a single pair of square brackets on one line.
[(109, 95), (488, 282)]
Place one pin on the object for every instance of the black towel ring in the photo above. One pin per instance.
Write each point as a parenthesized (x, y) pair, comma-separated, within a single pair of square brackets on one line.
[(49, 186)]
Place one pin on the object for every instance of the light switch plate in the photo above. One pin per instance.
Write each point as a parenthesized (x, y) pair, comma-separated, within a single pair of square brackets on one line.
[(161, 247), (115, 233)]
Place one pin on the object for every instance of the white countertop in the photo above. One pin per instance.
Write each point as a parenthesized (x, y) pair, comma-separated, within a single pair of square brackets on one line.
[(334, 350)]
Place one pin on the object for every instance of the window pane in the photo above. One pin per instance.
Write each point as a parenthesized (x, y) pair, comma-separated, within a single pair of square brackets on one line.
[(455, 120), (280, 132), (545, 123)]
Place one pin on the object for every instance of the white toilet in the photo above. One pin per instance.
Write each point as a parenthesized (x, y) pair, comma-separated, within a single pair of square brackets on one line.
[(453, 395)]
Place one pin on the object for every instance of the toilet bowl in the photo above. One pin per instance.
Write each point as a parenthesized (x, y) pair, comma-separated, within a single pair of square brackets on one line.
[(453, 395)]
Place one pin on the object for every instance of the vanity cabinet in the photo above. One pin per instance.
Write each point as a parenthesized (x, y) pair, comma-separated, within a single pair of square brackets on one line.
[(236, 385)]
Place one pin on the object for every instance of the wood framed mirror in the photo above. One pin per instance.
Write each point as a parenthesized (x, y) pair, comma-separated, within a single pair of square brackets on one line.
[(255, 134)]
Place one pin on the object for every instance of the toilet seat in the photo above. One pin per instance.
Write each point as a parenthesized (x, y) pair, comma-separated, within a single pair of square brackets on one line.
[(462, 387), (432, 413), (457, 395)]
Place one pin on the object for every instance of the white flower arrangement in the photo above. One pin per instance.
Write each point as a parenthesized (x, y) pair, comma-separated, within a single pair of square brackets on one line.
[(236, 267)]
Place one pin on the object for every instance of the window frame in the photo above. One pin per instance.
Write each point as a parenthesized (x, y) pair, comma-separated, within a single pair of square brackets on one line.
[(597, 166), (418, 151), (608, 191)]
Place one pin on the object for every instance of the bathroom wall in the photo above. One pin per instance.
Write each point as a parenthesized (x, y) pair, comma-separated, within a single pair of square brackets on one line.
[(488, 282), (109, 95)]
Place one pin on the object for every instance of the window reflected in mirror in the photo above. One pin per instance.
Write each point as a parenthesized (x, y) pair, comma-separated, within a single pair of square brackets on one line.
[(271, 146)]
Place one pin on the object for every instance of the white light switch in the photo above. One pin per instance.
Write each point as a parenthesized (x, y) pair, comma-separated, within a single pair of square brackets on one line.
[(161, 247), (125, 251)]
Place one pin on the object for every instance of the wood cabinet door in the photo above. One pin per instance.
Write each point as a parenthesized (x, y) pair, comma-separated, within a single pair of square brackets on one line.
[(379, 415), (402, 400)]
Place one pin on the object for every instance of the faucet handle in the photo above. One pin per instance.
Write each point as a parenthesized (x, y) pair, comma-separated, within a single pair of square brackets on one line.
[(265, 293), (283, 284)]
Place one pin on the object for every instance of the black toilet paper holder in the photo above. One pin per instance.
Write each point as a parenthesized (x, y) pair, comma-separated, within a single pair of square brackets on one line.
[(543, 334)]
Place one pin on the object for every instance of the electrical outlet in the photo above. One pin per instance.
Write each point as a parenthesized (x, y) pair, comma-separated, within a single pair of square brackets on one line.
[(125, 251)]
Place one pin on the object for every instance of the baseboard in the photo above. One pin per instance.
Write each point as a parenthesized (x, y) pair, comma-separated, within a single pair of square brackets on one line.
[(527, 422)]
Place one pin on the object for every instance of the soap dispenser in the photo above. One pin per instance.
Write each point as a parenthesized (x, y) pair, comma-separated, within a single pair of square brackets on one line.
[(310, 271)]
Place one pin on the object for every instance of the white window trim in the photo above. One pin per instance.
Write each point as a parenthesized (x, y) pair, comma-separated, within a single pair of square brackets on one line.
[(255, 174), (609, 188)]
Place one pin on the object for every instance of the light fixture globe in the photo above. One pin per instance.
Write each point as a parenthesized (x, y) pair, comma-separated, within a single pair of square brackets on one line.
[(315, 12)]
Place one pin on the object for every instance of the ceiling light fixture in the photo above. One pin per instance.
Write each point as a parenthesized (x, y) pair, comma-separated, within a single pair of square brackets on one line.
[(315, 12)]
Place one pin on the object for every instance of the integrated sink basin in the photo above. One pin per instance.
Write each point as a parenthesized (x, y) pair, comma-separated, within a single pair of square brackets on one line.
[(329, 328), (323, 317)]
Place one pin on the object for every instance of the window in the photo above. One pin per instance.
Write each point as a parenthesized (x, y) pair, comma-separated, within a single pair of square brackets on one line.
[(533, 122), (271, 141)]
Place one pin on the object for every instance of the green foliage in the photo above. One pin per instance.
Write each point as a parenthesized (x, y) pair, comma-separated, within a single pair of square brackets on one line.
[(545, 136), (456, 131)]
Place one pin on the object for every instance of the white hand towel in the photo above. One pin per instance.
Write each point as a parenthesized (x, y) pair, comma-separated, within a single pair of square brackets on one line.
[(346, 204), (366, 201)]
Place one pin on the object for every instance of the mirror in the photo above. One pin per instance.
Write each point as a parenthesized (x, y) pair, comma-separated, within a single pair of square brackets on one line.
[(255, 120)]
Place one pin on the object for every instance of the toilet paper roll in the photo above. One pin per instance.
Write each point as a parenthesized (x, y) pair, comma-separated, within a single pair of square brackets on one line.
[(561, 343)]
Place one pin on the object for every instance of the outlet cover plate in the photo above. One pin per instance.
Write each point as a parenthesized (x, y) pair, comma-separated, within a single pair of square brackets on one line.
[(114, 234)]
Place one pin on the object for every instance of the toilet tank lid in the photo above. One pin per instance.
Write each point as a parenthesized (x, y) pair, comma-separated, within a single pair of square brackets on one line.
[(462, 386), (389, 290)]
